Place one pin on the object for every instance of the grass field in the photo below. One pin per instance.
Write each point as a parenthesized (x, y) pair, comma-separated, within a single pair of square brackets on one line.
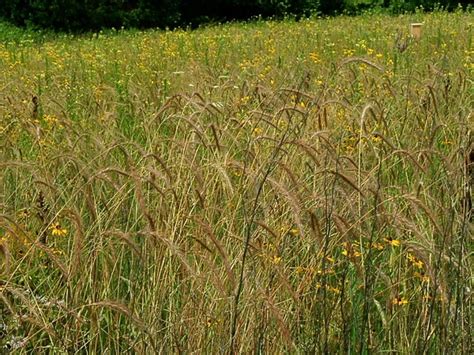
[(267, 187)]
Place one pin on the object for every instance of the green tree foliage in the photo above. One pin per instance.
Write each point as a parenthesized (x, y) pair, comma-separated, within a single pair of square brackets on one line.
[(331, 7), (95, 14), (196, 11), (411, 5), (91, 14)]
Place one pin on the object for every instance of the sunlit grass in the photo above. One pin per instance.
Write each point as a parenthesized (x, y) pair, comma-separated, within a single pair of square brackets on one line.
[(262, 187)]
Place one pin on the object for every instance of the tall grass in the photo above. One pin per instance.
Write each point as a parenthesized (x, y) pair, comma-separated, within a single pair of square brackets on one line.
[(264, 187)]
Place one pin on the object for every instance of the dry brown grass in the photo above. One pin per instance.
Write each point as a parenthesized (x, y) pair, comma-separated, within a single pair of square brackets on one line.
[(266, 200)]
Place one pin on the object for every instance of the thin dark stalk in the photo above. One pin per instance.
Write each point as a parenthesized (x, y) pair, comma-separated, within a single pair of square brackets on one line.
[(249, 224), (367, 266)]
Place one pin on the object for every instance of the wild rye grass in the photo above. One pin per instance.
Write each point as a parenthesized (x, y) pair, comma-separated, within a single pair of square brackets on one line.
[(266, 187)]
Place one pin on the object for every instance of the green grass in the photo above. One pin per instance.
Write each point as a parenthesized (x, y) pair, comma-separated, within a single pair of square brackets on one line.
[(261, 187)]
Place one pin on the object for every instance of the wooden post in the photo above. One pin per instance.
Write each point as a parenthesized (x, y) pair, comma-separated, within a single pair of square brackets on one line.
[(415, 30)]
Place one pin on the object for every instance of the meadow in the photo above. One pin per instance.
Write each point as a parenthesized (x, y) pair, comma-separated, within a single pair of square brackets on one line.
[(262, 187)]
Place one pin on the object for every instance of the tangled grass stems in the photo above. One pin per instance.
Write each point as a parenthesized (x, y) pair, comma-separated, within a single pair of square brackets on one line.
[(299, 190)]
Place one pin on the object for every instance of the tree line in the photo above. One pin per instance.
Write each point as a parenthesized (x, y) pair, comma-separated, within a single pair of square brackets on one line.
[(84, 15)]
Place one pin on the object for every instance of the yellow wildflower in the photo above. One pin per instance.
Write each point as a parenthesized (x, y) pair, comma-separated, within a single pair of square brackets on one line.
[(276, 260), (299, 269), (314, 57), (57, 230), (399, 301), (419, 264), (352, 253), (416, 262), (393, 242), (422, 276), (257, 131), (378, 246), (294, 232), (50, 119), (348, 52), (376, 138)]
